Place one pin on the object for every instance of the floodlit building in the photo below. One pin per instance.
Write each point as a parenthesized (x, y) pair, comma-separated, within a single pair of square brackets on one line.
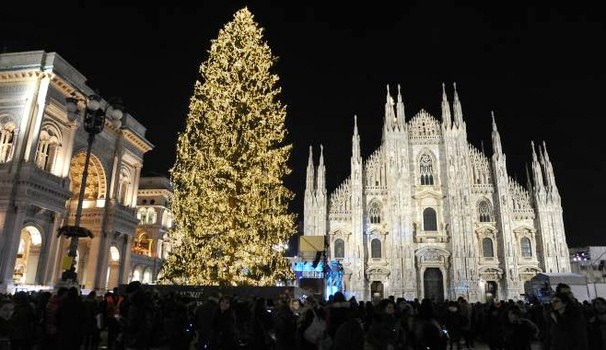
[(428, 215), (590, 262), (42, 156), (151, 243)]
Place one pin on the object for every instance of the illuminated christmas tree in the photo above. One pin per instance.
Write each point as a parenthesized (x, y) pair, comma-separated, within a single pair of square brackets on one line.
[(230, 204)]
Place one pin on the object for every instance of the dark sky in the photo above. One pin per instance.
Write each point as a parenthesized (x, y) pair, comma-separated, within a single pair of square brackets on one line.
[(540, 69)]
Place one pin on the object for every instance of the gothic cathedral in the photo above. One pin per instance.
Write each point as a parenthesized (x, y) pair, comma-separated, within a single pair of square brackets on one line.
[(428, 215)]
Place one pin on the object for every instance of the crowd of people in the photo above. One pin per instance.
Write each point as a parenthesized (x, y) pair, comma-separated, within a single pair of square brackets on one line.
[(141, 318)]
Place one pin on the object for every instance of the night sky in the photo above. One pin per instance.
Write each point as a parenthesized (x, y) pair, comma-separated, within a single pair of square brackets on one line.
[(540, 69)]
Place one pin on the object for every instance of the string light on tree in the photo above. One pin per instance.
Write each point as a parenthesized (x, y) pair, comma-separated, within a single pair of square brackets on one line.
[(230, 204)]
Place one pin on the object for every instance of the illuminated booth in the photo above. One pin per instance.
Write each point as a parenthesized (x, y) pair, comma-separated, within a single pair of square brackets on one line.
[(314, 273)]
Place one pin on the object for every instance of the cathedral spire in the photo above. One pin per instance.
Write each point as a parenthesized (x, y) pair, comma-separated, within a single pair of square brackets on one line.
[(457, 110), (446, 118), (390, 116), (546, 155), (528, 178), (321, 183), (537, 173), (496, 138), (400, 111), (355, 140), (548, 169), (310, 179)]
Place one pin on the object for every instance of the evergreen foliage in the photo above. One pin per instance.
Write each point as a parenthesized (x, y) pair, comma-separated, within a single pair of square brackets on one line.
[(230, 204)]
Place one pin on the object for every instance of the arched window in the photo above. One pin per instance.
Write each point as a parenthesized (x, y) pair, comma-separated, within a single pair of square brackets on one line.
[(374, 212), (430, 223), (485, 211), (487, 248), (142, 216), (143, 244), (7, 139), (339, 249), (152, 216), (49, 145), (375, 249), (526, 247), (426, 170)]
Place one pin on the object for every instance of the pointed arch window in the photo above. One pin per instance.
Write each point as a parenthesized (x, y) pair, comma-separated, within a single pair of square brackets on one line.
[(374, 212), (426, 169), (487, 248), (430, 222), (339, 249), (485, 211), (526, 247), (375, 249), (7, 139)]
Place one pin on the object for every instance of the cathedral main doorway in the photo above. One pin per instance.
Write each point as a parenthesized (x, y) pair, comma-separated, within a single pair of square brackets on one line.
[(491, 291), (376, 289), (433, 284)]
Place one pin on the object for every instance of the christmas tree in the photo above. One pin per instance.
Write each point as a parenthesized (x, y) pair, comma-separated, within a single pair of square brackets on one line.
[(230, 204)]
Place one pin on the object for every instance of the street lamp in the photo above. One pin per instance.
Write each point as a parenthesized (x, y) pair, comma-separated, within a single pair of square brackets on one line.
[(93, 119)]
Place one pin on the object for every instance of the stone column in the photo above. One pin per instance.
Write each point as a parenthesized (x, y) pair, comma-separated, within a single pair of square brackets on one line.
[(11, 236)]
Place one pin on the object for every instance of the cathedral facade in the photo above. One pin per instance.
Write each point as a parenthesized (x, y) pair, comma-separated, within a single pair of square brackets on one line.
[(428, 215)]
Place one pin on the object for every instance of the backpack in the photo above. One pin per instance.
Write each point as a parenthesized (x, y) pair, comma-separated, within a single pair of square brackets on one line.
[(315, 332)]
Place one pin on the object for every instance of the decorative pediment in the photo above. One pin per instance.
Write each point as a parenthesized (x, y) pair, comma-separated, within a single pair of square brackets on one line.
[(490, 269), (340, 233), (485, 230), (377, 230), (378, 271), (428, 192), (524, 231), (490, 273), (529, 269), (432, 255)]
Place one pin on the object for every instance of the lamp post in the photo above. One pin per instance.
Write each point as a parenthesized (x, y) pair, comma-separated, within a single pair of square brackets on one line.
[(93, 119)]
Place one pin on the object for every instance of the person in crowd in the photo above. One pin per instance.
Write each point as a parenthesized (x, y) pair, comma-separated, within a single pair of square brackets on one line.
[(384, 333), (223, 326), (337, 313), (6, 311), (49, 340), (90, 327), (350, 335), (520, 332), (597, 325), (137, 312), (453, 323), (566, 327), (175, 323), (23, 320), (109, 310), (466, 318), (286, 319), (494, 326), (428, 333), (203, 316), (405, 315), (70, 321), (261, 336)]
